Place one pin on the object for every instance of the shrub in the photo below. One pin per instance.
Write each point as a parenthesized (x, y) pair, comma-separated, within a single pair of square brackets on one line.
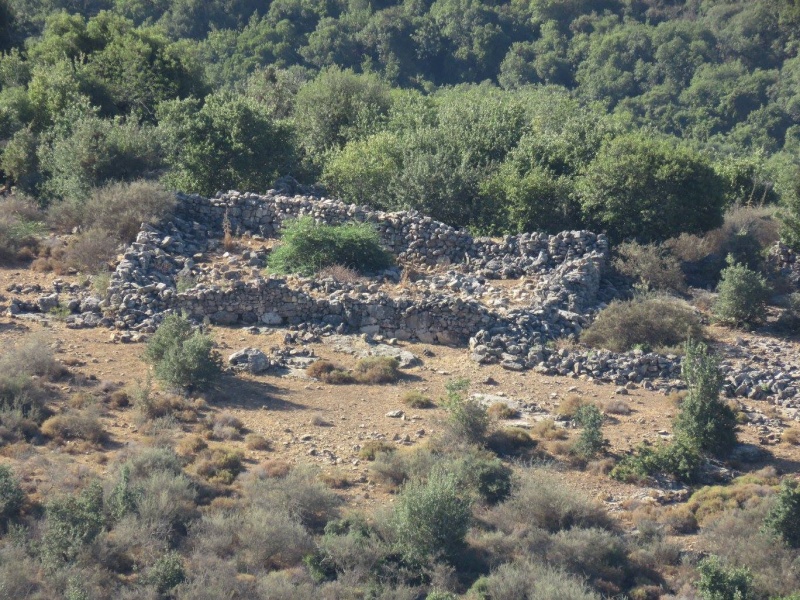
[(784, 517), (396, 468), (415, 399), (308, 247), (74, 425), (370, 449), (11, 496), (485, 474), (789, 320), (329, 373), (220, 465), (597, 554), (678, 459), (71, 522), (703, 420), (182, 357), (501, 410), (339, 273), (467, 420), (742, 296), (166, 572), (570, 406), (377, 369), (32, 356), (590, 441), (533, 581), (547, 429), (650, 266), (718, 582), (648, 321), (540, 501), (91, 251), (431, 519), (18, 234), (255, 441), (510, 441), (300, 494), (617, 407)]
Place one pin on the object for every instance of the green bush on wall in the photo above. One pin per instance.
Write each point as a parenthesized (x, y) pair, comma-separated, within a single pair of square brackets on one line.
[(309, 246)]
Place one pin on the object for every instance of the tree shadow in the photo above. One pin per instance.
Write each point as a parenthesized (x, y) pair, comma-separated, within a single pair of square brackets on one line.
[(235, 392)]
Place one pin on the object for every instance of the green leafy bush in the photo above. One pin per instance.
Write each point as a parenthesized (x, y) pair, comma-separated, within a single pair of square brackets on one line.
[(590, 441), (784, 516), (71, 522), (11, 496), (308, 247), (678, 459), (742, 298), (182, 357), (648, 321), (704, 421), (431, 519), (718, 582)]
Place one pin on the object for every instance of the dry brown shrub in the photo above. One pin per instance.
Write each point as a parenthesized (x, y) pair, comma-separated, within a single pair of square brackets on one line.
[(74, 425), (679, 520), (617, 407), (602, 466), (791, 436), (649, 265), (119, 209), (501, 410), (548, 430), (320, 421), (510, 441), (649, 322), (220, 465), (371, 448), (255, 441), (33, 355), (377, 370), (119, 399), (272, 468), (327, 372), (416, 399), (569, 406), (91, 251), (336, 479), (339, 273), (191, 445), (689, 247), (226, 426)]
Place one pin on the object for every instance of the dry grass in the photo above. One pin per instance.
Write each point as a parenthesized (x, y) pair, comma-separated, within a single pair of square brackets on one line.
[(336, 479), (791, 436), (501, 410), (415, 399), (340, 274), (328, 372), (32, 356)]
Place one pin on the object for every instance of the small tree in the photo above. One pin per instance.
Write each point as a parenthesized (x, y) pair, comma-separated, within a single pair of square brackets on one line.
[(431, 518), (590, 441), (784, 516), (704, 421), (743, 295), (182, 357)]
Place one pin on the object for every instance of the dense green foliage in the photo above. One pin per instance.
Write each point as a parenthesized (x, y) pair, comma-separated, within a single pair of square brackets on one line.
[(590, 441), (641, 118), (704, 420), (182, 357), (743, 295), (784, 518), (308, 246), (718, 582)]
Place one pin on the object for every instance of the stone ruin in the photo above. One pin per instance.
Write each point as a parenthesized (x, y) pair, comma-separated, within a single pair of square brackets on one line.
[(455, 298)]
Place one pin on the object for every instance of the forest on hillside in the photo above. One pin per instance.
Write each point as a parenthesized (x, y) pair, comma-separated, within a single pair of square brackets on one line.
[(641, 118)]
